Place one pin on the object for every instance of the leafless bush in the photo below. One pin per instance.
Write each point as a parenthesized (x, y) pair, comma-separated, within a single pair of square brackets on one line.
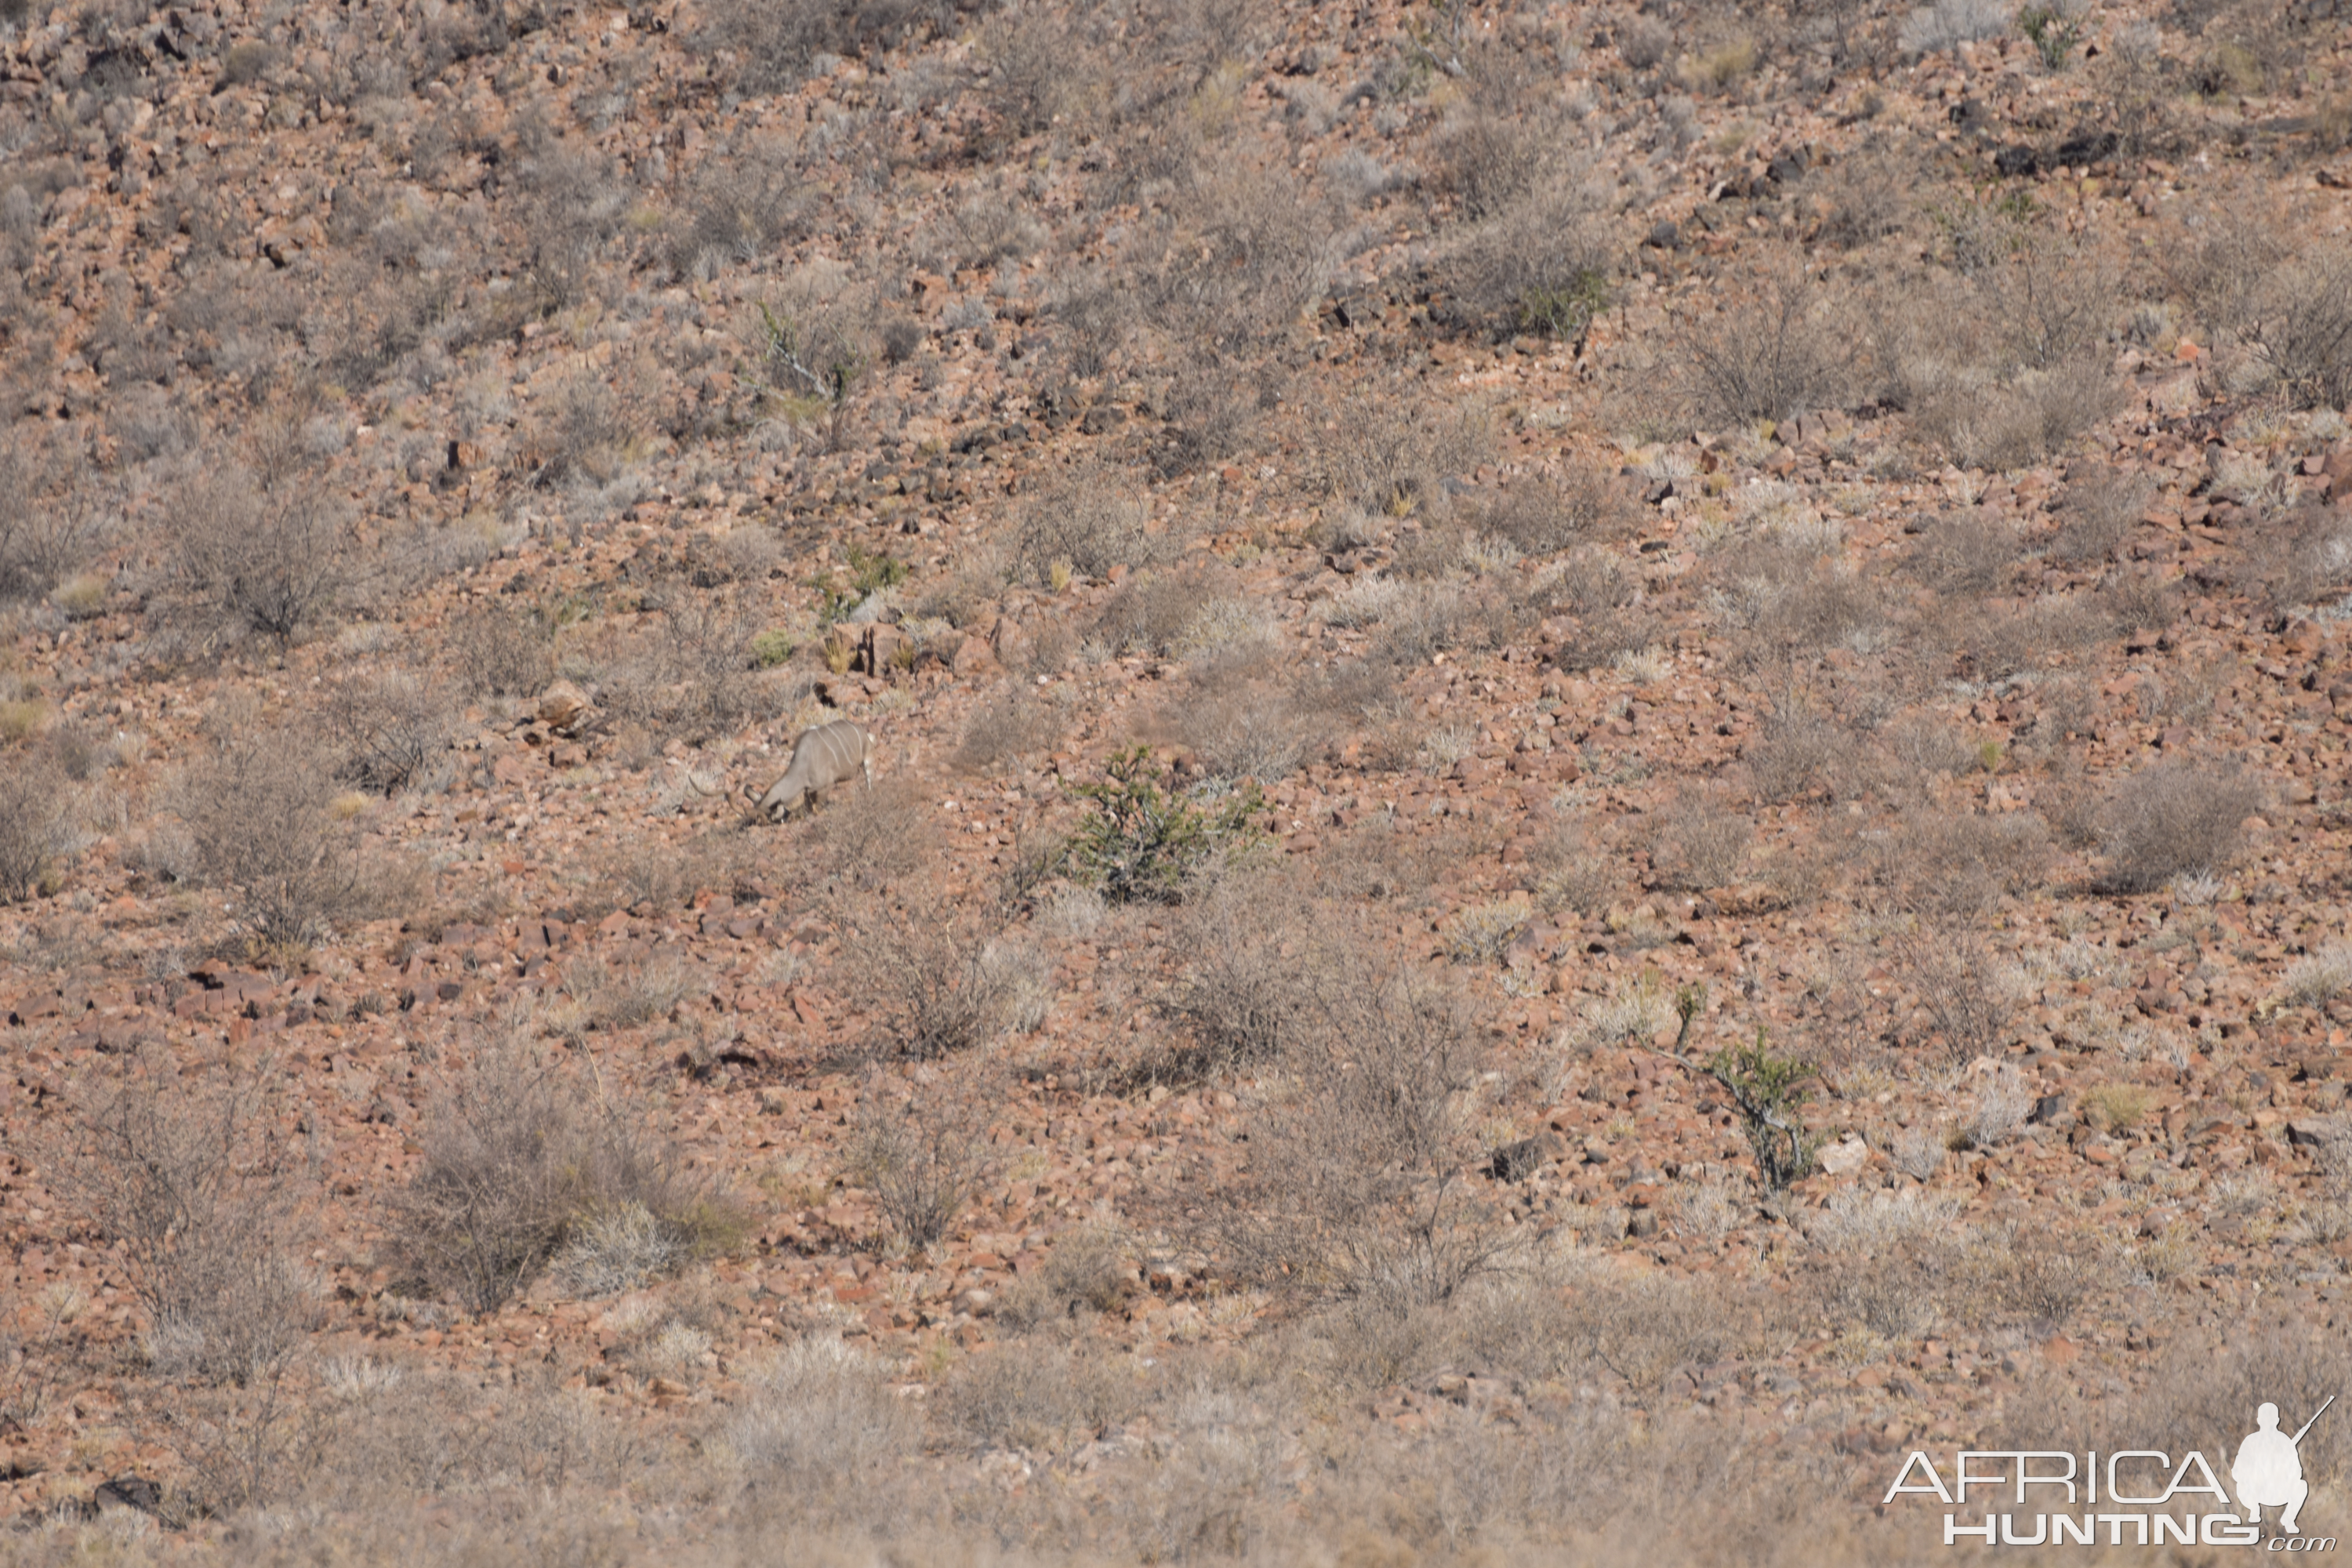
[(698, 679), (624, 996), (1699, 842), (1041, 66), (1969, 994), (193, 1176), (1644, 1328), (1241, 254), (1008, 726), (868, 839), (499, 652), (2038, 1279), (773, 47), (1210, 405), (2002, 1103), (2301, 327), (1942, 23), (1248, 993), (825, 1416), (1087, 1271), (1861, 198), (1539, 264), (247, 557), (2283, 1365), (1360, 1184), (2174, 819), (1797, 748), (1038, 1397), (1768, 358), (2097, 514), (1386, 454), (392, 730), (516, 1157), (259, 814), (1150, 613), (1088, 525), (1970, 552), (1571, 873), (1956, 862), (923, 966), (1542, 517), (1789, 600), (922, 1155), (32, 809), (49, 518)]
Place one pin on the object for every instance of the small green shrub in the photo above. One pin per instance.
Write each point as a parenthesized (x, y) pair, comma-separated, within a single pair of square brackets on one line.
[(1143, 841), (2052, 34), (1768, 1093), (773, 646)]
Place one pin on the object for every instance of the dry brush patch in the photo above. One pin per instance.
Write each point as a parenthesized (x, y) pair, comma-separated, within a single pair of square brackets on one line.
[(524, 1164)]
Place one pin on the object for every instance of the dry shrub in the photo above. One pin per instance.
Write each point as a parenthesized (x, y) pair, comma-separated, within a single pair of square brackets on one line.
[(1971, 552), (260, 812), (1087, 1271), (1360, 1184), (1538, 264), (1699, 843), (1789, 599), (2299, 327), (2212, 1403), (1240, 253), (1767, 358), (634, 993), (1863, 198), (1042, 67), (499, 652), (1009, 726), (1045, 1398), (49, 518), (1543, 517), (1238, 709), (1572, 874), (698, 679), (1956, 862), (1088, 523), (923, 966), (922, 1155), (193, 1176), (391, 729), (2097, 513), (1643, 1329), (1797, 749), (824, 1418), (1150, 613), (864, 839), (665, 874), (272, 559), (2174, 819), (1999, 360), (2031, 1278), (1969, 994), (517, 1158), (32, 811), (1248, 995), (1385, 453)]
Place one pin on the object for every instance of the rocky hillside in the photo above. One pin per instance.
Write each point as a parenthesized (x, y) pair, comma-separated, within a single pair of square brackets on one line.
[(1610, 773)]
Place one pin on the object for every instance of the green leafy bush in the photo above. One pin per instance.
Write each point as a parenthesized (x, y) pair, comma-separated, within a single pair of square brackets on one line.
[(1768, 1093), (1144, 840)]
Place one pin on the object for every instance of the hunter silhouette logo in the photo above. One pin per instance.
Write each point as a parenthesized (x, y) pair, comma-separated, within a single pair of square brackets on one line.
[(2267, 1473)]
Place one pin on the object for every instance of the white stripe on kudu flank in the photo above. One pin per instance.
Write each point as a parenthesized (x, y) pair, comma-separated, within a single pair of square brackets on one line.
[(822, 758)]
